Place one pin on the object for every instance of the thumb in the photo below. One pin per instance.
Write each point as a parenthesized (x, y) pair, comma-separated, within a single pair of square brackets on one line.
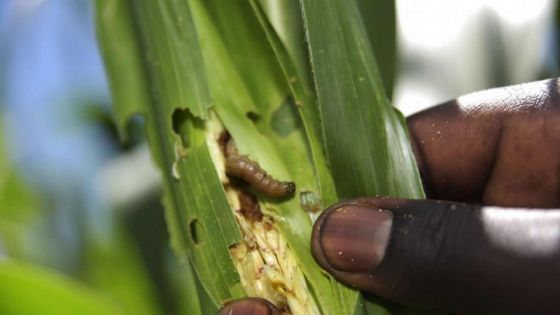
[(437, 254), (250, 306)]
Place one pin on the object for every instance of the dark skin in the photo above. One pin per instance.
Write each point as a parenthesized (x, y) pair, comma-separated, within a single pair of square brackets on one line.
[(493, 245)]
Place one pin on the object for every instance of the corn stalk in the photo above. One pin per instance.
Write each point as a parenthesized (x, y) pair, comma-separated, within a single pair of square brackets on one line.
[(201, 71)]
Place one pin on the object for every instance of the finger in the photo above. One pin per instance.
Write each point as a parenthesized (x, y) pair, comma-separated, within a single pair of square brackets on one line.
[(445, 255), (249, 306), (496, 147)]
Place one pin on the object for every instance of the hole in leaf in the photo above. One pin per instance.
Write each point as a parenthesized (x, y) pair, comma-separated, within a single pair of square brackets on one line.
[(254, 117), (285, 119), (197, 231), (183, 124)]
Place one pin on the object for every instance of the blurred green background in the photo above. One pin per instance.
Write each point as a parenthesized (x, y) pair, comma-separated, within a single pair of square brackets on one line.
[(81, 223)]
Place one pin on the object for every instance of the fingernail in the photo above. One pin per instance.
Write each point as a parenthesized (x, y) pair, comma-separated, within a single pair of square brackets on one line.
[(249, 306), (354, 238)]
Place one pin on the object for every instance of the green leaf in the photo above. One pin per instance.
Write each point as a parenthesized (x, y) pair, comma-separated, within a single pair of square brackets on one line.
[(301, 87), (366, 142), (119, 45), (171, 55), (27, 289), (284, 17), (380, 23), (211, 225), (169, 59), (283, 157)]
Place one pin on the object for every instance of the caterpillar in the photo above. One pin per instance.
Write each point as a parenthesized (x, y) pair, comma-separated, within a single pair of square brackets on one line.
[(241, 166)]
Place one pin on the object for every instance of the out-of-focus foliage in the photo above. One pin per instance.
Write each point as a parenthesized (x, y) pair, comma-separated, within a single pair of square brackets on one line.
[(18, 207), (30, 290), (52, 211)]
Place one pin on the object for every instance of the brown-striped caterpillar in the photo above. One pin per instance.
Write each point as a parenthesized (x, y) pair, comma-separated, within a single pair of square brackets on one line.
[(241, 166)]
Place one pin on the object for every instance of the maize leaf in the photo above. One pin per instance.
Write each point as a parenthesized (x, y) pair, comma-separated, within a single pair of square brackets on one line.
[(365, 137)]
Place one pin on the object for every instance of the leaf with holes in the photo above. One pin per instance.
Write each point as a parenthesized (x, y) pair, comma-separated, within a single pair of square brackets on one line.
[(232, 113)]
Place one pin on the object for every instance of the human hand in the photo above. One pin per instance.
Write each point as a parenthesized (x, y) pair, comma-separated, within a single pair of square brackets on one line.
[(494, 247)]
